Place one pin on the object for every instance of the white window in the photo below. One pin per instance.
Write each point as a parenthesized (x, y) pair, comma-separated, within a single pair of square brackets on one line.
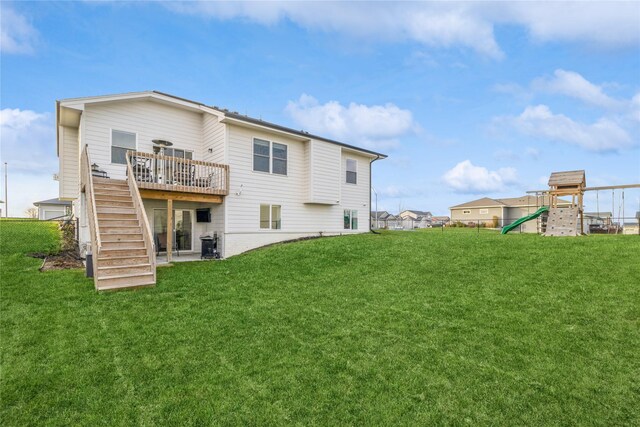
[(352, 171), (270, 217), (121, 142), (269, 157), (174, 152), (466, 212), (483, 211), (350, 219)]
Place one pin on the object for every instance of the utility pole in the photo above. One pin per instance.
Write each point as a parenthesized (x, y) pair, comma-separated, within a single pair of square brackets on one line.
[(376, 193), (6, 198)]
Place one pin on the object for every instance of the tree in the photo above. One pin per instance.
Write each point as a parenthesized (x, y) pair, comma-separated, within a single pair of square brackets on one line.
[(31, 213)]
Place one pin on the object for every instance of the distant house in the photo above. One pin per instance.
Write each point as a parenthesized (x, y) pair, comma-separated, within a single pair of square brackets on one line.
[(415, 219), (500, 212), (383, 219), (53, 209), (438, 221), (598, 218)]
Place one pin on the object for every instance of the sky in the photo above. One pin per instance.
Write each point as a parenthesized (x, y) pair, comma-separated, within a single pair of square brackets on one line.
[(467, 99)]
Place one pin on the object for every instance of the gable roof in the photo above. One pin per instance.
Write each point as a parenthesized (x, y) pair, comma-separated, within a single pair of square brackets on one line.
[(511, 202), (485, 202), (567, 178), (223, 113), (55, 201)]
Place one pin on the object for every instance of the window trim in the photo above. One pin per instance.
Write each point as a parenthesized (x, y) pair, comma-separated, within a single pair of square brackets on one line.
[(483, 211), (270, 220), (346, 171), (111, 130), (466, 212), (270, 157)]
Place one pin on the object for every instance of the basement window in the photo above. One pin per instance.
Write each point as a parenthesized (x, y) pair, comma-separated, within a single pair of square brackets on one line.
[(350, 219), (270, 217)]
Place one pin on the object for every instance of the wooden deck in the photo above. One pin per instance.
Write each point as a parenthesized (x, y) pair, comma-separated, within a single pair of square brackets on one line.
[(175, 174)]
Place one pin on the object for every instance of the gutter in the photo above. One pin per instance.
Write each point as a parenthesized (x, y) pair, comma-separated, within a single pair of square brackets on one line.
[(378, 157)]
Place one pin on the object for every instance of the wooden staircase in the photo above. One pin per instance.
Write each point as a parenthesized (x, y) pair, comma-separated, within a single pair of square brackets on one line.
[(124, 259)]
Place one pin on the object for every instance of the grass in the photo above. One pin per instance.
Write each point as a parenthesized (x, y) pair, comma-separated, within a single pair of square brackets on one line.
[(409, 328)]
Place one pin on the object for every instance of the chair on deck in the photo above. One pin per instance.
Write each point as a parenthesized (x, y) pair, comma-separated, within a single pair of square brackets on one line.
[(161, 243), (142, 169)]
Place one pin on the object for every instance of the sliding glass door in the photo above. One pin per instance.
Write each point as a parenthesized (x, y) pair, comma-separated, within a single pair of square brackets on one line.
[(182, 229)]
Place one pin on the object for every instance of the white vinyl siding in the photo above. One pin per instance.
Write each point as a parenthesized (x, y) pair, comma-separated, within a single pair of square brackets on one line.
[(149, 120), (213, 139), (323, 181), (69, 174)]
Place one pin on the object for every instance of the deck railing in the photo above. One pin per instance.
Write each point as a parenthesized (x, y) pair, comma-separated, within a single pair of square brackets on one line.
[(142, 216), (159, 172), (92, 214)]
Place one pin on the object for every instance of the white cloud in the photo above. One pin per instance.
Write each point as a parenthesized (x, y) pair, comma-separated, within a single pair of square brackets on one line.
[(443, 24), (16, 34), (572, 84), (465, 177), (539, 121), (635, 108), (376, 126), (395, 191), (28, 146)]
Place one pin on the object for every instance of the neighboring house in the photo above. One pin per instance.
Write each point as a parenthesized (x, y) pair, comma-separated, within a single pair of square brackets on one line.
[(384, 219), (53, 209), (199, 170), (603, 219), (415, 219), (439, 221), (501, 212)]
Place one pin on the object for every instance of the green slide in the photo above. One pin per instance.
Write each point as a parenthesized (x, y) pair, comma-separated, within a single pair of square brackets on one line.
[(536, 214)]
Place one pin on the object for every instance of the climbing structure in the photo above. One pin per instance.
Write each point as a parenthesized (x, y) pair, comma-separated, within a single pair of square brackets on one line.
[(563, 221)]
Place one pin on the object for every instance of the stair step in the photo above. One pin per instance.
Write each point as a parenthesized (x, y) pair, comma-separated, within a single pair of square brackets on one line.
[(115, 210), (117, 270), (127, 244), (113, 197), (107, 252), (125, 281), (116, 217), (120, 237), (120, 229), (122, 260), (108, 192), (108, 223), (113, 204)]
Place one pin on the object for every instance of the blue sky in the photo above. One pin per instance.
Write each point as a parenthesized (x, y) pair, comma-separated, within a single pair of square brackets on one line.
[(467, 99)]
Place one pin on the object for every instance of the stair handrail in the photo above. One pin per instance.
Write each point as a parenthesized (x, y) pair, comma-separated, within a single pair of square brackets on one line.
[(139, 207), (92, 215)]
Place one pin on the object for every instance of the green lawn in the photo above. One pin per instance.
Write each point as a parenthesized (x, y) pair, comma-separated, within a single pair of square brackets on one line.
[(403, 328)]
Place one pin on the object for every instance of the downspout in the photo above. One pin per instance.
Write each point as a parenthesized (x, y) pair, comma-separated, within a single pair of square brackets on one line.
[(370, 175)]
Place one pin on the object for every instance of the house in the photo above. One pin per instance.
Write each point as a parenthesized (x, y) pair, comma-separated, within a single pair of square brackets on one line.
[(497, 213), (149, 173), (439, 221), (415, 219), (384, 219), (53, 209)]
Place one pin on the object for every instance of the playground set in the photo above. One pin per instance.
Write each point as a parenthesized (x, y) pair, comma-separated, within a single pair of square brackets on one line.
[(565, 221)]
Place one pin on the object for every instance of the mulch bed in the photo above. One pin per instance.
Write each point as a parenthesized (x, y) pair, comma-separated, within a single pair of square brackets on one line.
[(61, 261)]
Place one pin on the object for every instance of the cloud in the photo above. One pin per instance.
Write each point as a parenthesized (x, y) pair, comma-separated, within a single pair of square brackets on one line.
[(376, 126), (395, 191), (572, 84), (442, 24), (28, 146), (16, 34), (604, 135), (465, 177)]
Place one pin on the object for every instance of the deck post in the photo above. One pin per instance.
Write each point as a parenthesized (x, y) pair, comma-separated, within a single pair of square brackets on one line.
[(169, 229)]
